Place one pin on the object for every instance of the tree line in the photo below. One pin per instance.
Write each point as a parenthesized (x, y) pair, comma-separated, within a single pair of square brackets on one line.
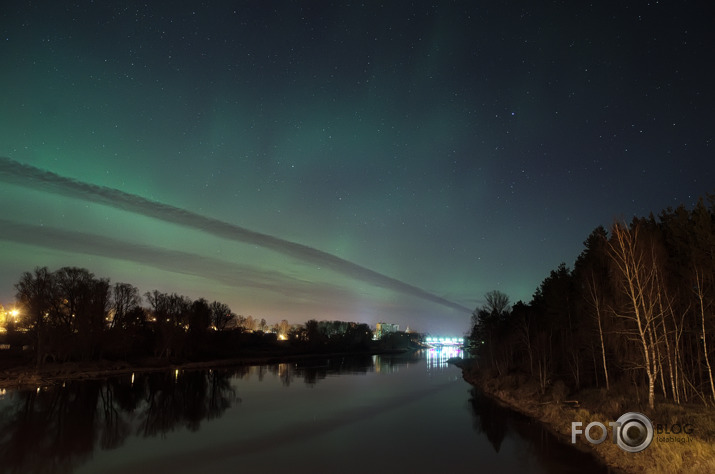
[(70, 314), (635, 314)]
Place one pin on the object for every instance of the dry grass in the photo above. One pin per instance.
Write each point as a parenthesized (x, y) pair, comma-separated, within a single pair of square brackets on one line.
[(662, 456), (680, 453)]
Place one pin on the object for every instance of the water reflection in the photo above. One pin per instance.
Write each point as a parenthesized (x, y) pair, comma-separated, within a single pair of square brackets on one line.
[(315, 369), (498, 423), (58, 428), (489, 418), (388, 364), (438, 358)]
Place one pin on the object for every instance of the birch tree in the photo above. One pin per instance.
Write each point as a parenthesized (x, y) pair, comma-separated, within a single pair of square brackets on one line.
[(636, 268)]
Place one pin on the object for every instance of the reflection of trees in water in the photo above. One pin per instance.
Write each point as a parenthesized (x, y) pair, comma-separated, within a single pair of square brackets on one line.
[(48, 431), (489, 418), (315, 369), (184, 400), (116, 424), (538, 445), (389, 363), (285, 373), (55, 429)]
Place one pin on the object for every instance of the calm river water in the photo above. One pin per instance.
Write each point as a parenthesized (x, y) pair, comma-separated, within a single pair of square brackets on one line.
[(358, 414)]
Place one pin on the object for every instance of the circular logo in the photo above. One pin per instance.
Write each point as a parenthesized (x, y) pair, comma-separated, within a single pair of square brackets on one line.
[(635, 432)]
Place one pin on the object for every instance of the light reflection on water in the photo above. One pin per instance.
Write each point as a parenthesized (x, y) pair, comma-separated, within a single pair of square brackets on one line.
[(315, 415), (438, 358)]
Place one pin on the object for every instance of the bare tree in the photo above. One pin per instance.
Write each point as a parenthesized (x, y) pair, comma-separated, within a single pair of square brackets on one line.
[(249, 323), (125, 298), (637, 270), (221, 315), (702, 308), (35, 292), (594, 297), (497, 303)]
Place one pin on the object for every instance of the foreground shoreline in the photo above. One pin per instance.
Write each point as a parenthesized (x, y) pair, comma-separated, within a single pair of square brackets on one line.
[(696, 455), (29, 376), (530, 410)]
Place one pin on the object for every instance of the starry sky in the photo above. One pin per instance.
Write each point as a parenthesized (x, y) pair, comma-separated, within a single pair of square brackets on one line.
[(365, 161)]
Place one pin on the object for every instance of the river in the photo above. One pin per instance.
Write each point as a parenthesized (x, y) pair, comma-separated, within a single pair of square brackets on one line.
[(401, 413)]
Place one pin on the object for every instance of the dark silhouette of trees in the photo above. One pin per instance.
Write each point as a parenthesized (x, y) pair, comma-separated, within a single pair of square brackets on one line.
[(125, 300), (591, 270), (636, 312), (36, 292), (81, 311), (171, 316), (68, 311), (332, 335), (357, 336), (489, 324), (199, 322), (221, 315), (497, 303), (70, 314)]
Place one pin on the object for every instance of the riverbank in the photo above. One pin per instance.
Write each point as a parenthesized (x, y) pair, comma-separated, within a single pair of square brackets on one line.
[(29, 376), (668, 453)]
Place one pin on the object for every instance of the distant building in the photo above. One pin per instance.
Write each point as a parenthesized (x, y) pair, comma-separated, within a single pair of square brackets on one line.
[(382, 329)]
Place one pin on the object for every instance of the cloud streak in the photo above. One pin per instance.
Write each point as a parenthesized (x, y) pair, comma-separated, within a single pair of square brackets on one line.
[(31, 177), (233, 274)]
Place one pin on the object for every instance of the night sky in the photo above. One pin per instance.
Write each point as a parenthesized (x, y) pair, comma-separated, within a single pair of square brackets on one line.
[(343, 160)]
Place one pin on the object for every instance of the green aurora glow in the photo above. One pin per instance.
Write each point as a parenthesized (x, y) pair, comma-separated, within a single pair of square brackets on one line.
[(455, 148)]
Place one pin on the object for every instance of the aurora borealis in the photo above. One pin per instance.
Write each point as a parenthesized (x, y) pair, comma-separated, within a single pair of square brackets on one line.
[(443, 149)]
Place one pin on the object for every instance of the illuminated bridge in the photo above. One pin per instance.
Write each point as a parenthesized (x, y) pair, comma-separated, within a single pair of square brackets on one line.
[(442, 350), (440, 341)]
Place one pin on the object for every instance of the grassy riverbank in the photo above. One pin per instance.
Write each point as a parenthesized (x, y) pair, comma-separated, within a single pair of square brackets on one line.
[(557, 409)]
